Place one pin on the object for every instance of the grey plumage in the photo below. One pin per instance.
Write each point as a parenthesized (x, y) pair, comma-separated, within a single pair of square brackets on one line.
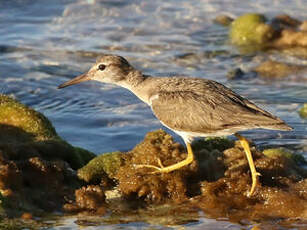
[(208, 107)]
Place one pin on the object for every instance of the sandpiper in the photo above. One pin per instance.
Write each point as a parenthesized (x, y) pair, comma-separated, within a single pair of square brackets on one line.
[(191, 107)]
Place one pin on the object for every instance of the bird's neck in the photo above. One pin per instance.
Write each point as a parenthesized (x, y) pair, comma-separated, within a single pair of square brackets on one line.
[(136, 83), (132, 80)]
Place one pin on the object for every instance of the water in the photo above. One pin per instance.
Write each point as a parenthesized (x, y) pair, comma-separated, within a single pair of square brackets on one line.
[(44, 43)]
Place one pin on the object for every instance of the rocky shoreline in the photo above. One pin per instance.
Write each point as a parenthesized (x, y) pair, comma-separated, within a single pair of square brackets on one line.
[(40, 173)]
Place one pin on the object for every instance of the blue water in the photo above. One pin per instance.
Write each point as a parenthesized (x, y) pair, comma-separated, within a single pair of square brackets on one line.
[(44, 43)]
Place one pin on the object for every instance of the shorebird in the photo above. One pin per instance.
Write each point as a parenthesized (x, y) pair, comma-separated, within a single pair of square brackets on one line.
[(191, 107)]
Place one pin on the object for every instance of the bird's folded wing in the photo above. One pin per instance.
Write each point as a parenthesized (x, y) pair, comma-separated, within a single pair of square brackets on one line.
[(208, 111)]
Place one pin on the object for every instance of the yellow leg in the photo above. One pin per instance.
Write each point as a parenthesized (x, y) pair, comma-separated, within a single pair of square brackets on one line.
[(173, 167), (249, 156)]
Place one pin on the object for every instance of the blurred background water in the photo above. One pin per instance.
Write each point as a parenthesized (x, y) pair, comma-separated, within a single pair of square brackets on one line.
[(44, 43)]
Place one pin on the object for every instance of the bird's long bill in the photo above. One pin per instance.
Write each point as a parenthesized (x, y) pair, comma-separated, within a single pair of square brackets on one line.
[(76, 80)]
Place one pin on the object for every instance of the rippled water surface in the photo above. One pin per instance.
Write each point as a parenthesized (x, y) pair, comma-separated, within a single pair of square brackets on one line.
[(44, 43)]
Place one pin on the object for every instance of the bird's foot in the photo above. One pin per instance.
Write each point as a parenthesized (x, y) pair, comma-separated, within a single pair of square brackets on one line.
[(255, 182), (170, 168), (158, 169)]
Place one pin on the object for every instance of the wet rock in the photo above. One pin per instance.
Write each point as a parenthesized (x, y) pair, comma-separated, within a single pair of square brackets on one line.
[(274, 69), (251, 32), (223, 20), (290, 38), (284, 21), (239, 74), (235, 74), (303, 26), (36, 165), (193, 60), (251, 29), (303, 111)]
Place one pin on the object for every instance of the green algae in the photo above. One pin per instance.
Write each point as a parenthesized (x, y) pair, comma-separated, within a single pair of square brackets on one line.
[(14, 113), (303, 111), (250, 29), (107, 163), (282, 152)]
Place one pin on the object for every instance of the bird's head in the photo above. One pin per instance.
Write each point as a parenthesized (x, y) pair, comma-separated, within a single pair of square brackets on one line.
[(107, 69)]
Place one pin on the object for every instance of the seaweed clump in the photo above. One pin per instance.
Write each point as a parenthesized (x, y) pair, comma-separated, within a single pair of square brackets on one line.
[(217, 182), (281, 193), (88, 199), (142, 182)]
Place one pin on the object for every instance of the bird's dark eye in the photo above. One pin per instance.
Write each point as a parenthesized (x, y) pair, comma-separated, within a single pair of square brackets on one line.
[(101, 67)]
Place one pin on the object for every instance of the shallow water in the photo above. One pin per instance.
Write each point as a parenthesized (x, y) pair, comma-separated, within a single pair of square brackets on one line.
[(44, 43)]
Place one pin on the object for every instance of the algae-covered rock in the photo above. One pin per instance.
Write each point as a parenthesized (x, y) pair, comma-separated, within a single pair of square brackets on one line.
[(102, 165), (13, 113), (223, 20), (26, 132), (282, 152), (289, 38), (274, 69), (285, 21), (303, 111), (251, 29), (303, 26), (217, 182), (235, 74), (280, 188), (35, 163), (251, 32)]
